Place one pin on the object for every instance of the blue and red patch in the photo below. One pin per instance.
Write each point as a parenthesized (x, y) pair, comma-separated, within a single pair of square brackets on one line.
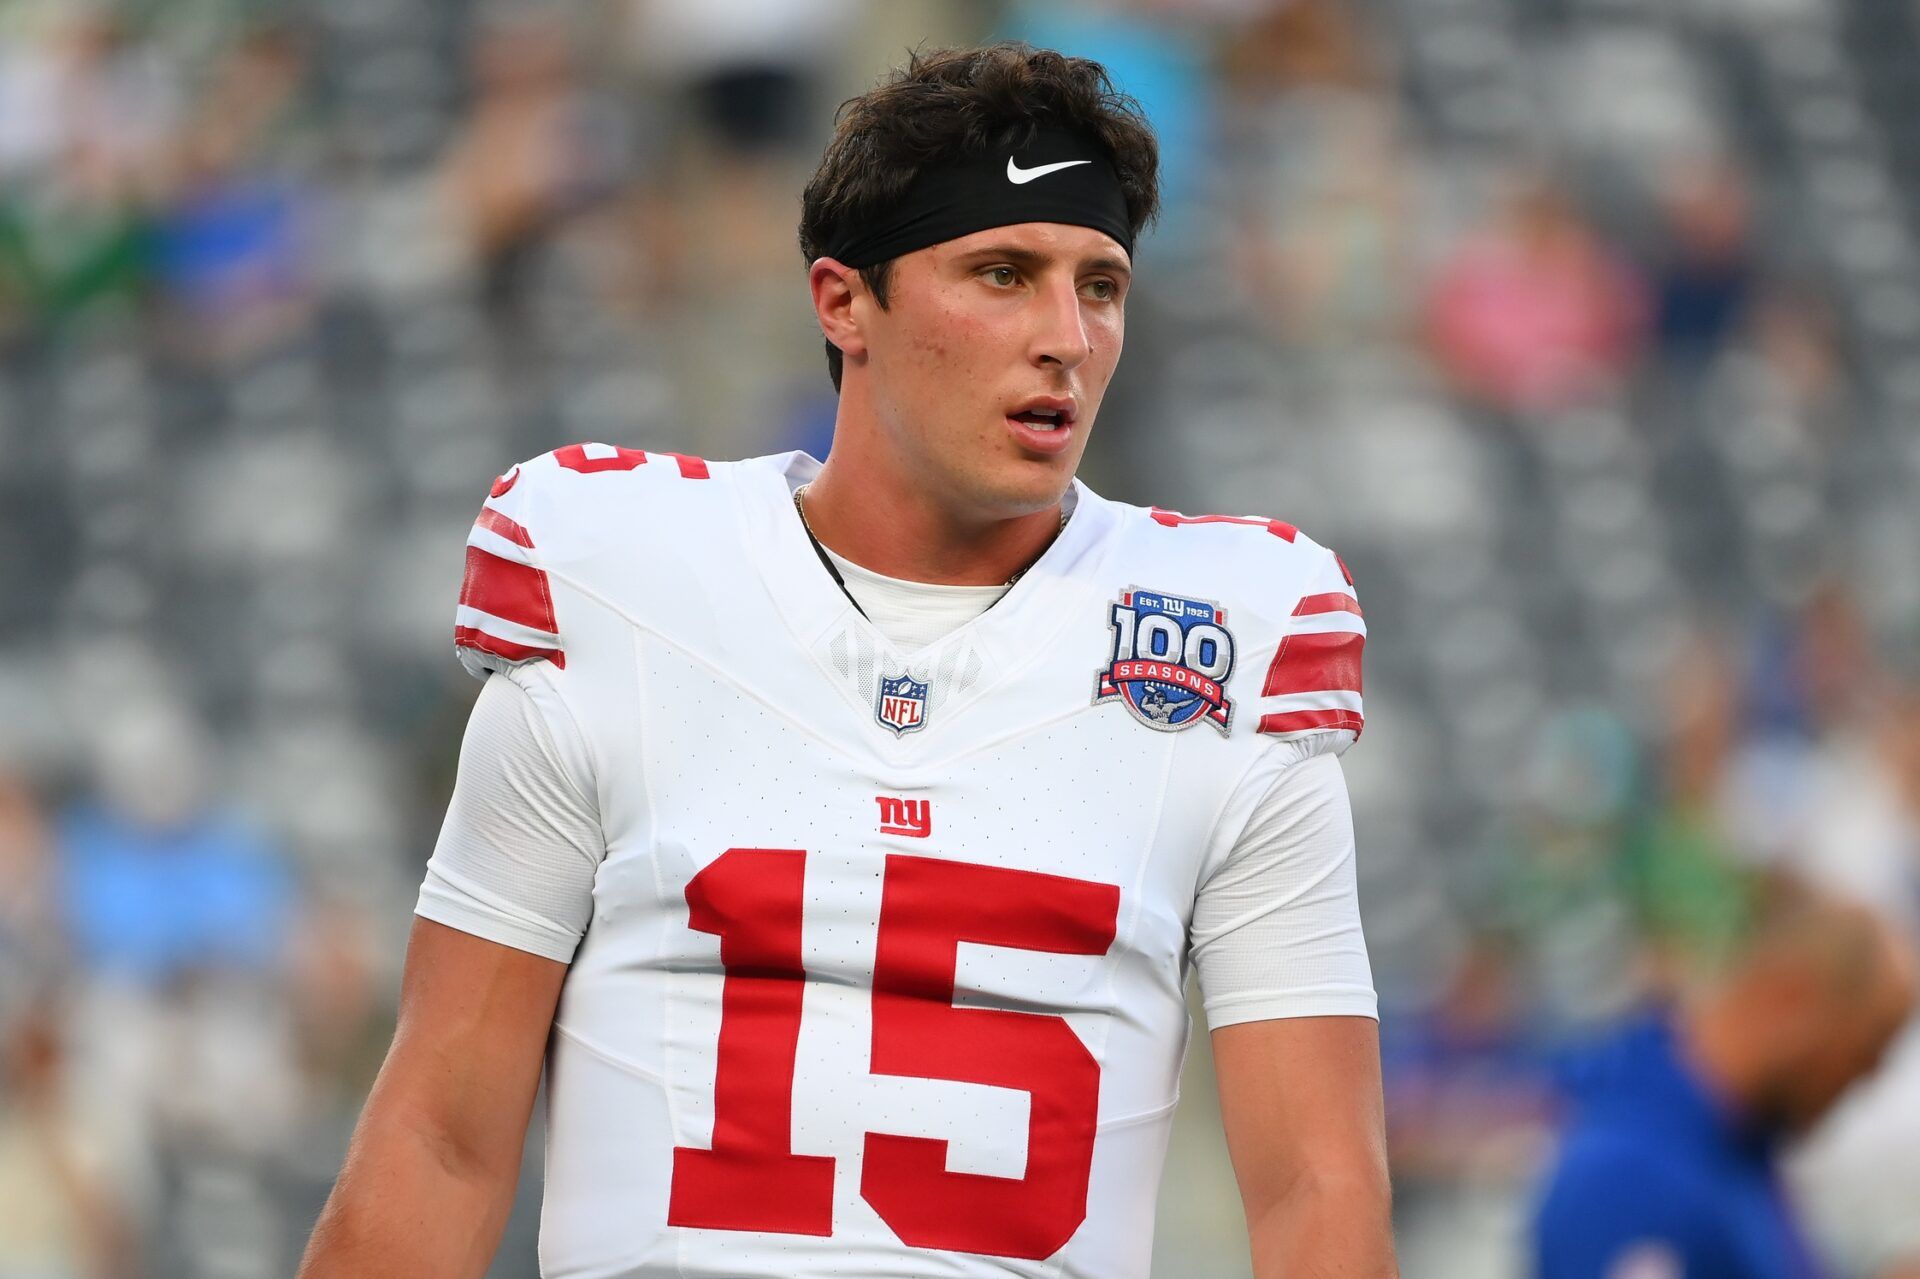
[(1170, 662)]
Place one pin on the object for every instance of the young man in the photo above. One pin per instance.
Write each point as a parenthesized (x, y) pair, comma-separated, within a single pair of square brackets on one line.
[(842, 832)]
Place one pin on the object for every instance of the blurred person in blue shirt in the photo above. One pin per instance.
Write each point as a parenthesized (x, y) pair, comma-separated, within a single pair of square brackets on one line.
[(180, 1040), (1667, 1170), (157, 885)]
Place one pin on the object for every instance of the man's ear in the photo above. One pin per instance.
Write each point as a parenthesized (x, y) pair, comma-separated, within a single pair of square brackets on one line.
[(836, 288)]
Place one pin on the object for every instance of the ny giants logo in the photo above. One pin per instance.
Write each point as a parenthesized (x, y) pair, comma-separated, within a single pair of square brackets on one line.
[(905, 816), (1170, 662)]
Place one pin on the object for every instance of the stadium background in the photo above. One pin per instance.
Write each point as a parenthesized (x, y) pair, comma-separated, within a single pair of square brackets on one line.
[(1587, 330)]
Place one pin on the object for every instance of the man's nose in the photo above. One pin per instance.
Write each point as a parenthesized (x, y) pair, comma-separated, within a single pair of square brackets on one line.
[(1061, 337)]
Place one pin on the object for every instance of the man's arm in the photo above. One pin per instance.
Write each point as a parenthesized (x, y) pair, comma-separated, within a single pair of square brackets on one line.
[(1283, 965), (430, 1173), (1300, 1099)]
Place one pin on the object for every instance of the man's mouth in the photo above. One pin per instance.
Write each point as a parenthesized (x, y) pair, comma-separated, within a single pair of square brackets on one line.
[(1044, 424), (1041, 419), (1045, 412)]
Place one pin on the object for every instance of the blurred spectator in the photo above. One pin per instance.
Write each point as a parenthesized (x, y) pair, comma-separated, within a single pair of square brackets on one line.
[(158, 885), (1797, 353), (531, 156), (1467, 1085), (1155, 51), (62, 1219), (236, 241), (1469, 1109), (1535, 312), (29, 942), (336, 1004), (1837, 668), (1704, 280), (748, 68), (182, 921), (1317, 176), (742, 85), (85, 114), (1305, 46), (93, 89), (1860, 1174), (1554, 895), (70, 243), (1669, 1168), (1683, 881), (1812, 679)]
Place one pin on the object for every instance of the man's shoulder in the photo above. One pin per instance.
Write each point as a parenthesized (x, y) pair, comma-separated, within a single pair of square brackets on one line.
[(592, 525), (570, 499), (1277, 605), (1264, 564)]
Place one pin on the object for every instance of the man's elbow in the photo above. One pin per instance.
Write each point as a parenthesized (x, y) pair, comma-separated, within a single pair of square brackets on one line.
[(1333, 1221), (1360, 1187), (461, 1150), (1353, 1172)]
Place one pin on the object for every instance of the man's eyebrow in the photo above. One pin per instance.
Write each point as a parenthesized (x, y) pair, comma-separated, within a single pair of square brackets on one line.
[(1031, 258)]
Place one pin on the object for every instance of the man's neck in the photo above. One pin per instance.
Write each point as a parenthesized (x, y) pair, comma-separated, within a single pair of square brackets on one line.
[(891, 529)]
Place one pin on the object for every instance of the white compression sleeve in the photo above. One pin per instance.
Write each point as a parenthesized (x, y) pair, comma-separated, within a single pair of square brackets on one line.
[(1276, 928), (522, 841)]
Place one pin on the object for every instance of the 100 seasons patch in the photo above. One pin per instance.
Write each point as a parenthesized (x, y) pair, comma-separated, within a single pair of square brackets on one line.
[(1170, 661)]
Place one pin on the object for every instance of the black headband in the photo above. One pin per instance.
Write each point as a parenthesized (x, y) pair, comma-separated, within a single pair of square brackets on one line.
[(1057, 177)]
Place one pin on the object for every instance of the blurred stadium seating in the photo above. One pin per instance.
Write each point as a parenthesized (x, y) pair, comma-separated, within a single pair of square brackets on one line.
[(1587, 330)]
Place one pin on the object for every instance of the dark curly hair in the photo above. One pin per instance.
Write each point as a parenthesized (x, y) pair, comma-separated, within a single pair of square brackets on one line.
[(954, 103)]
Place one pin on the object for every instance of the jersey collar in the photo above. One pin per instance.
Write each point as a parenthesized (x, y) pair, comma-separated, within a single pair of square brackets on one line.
[(1014, 631)]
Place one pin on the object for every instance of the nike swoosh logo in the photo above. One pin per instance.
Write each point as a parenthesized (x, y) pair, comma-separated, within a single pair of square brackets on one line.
[(1019, 176)]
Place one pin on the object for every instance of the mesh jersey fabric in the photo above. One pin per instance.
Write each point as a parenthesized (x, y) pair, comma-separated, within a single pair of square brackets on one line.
[(521, 840)]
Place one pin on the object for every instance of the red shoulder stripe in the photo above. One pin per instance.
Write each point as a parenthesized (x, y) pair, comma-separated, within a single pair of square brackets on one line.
[(516, 592), (494, 522), (1174, 519), (1307, 721), (574, 458), (1316, 663), (1328, 602)]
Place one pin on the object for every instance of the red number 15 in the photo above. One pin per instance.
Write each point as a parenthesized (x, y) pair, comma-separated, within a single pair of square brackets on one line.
[(750, 1179)]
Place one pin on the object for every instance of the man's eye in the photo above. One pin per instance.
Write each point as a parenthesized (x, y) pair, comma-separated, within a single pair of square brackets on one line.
[(996, 272), (1108, 290)]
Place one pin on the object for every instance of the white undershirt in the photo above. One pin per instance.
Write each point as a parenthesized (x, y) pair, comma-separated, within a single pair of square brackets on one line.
[(912, 614)]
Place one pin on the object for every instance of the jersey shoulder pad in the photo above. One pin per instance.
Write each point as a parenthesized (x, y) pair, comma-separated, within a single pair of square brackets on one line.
[(1306, 632), (539, 514), (1310, 691)]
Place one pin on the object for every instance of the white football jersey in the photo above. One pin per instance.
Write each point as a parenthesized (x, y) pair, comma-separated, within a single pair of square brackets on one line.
[(885, 969)]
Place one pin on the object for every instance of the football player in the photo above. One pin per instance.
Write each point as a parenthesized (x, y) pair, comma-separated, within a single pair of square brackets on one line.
[(839, 835)]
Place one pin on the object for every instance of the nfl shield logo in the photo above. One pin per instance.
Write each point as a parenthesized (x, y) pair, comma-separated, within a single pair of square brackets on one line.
[(903, 704)]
